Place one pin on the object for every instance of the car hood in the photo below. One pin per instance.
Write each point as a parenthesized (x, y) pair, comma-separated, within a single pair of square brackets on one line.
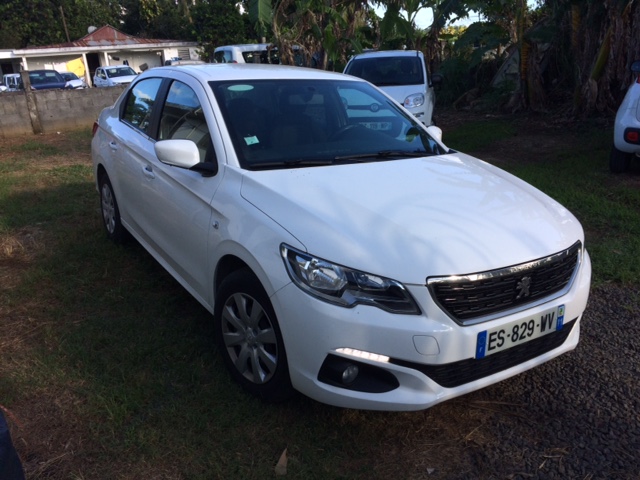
[(409, 219), (121, 80), (75, 83), (45, 86)]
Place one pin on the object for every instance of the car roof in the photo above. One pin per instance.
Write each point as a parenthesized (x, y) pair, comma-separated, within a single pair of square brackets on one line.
[(389, 53), (115, 66), (249, 71), (246, 47)]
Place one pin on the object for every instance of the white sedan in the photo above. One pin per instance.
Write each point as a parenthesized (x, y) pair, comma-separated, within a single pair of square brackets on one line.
[(344, 251), (626, 131)]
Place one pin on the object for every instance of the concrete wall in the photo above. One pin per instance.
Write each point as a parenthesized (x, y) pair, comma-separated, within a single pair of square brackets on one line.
[(55, 110)]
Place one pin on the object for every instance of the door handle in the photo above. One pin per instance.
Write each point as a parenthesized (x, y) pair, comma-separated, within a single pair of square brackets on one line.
[(113, 145), (148, 172)]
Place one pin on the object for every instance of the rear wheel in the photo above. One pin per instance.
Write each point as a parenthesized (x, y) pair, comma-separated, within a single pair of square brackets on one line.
[(619, 161), (110, 211), (249, 337)]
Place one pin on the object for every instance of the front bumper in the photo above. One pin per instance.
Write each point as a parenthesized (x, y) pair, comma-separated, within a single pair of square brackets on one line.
[(405, 360)]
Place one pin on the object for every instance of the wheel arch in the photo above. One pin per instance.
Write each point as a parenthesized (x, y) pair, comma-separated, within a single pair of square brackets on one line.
[(226, 266), (100, 171)]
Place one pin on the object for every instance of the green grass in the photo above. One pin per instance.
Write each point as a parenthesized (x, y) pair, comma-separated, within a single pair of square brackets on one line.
[(111, 366), (474, 136)]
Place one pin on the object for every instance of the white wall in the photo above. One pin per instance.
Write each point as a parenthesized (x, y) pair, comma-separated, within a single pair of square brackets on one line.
[(135, 59)]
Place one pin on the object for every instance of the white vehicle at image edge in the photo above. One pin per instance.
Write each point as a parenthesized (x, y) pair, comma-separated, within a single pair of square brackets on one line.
[(344, 251), (626, 131), (403, 75)]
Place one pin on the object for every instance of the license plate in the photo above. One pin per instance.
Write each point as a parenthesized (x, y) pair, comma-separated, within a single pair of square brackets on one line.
[(519, 332)]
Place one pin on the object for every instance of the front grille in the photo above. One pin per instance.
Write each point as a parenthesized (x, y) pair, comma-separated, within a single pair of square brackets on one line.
[(472, 298), (452, 375)]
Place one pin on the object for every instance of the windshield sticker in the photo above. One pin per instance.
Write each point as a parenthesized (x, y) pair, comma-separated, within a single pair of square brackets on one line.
[(251, 140)]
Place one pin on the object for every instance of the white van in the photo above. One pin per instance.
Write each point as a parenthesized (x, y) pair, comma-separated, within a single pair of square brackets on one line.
[(403, 75), (248, 53), (11, 82)]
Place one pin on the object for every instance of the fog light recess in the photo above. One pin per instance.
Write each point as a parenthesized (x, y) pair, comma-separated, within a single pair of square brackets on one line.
[(355, 375)]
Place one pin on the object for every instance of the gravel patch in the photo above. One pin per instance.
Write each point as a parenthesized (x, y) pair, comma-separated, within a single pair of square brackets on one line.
[(581, 419)]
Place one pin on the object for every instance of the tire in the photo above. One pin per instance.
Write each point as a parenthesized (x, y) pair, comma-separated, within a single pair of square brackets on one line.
[(249, 337), (619, 161), (110, 211)]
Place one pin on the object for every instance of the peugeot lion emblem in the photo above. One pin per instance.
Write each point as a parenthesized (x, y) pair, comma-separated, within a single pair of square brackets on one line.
[(523, 287)]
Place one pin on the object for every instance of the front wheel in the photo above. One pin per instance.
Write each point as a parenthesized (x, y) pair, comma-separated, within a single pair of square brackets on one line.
[(249, 337), (619, 161)]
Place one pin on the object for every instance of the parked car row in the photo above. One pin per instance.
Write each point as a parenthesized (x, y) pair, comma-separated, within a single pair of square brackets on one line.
[(51, 79), (43, 79)]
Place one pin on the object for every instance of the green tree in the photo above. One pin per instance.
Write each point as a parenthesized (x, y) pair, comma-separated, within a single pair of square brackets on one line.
[(42, 22), (326, 31), (217, 23), (165, 19), (580, 50)]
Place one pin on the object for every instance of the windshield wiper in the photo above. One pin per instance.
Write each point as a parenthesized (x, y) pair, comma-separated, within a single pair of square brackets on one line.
[(384, 154), (300, 162)]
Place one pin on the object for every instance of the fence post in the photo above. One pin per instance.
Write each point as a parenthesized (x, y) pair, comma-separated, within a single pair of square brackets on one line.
[(32, 104)]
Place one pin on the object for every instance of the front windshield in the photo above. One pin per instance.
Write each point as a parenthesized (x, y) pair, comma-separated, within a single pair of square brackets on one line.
[(120, 72), (388, 71), (285, 123), (44, 77)]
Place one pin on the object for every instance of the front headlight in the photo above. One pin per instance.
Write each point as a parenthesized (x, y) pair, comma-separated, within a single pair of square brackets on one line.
[(415, 100), (344, 286)]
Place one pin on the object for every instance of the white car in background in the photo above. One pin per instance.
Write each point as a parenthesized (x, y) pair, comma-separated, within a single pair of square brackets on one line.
[(403, 75), (11, 81), (626, 130), (247, 53), (114, 75), (73, 81), (343, 250)]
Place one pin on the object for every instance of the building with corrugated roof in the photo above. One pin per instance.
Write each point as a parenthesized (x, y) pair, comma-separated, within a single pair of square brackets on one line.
[(100, 47)]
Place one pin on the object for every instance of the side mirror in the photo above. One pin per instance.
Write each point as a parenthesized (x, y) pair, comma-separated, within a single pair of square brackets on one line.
[(435, 132), (184, 154)]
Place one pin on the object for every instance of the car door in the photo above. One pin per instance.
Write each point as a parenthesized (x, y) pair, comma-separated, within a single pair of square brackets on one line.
[(130, 150), (99, 78), (178, 201)]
